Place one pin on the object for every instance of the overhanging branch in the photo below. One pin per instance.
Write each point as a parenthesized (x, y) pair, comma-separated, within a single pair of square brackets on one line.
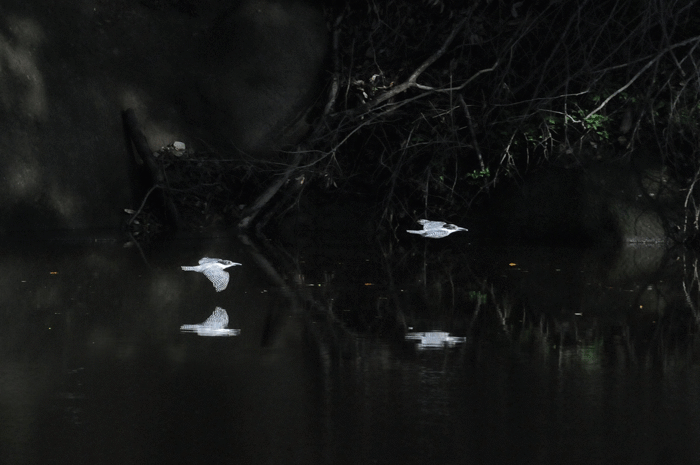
[(412, 80)]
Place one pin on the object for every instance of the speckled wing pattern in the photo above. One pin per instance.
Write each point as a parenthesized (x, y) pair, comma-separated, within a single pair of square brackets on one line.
[(213, 269), (427, 224), (436, 233), (218, 277), (217, 320), (215, 325), (435, 229)]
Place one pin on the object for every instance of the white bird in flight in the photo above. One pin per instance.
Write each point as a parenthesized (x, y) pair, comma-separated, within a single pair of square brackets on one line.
[(213, 268), (436, 229)]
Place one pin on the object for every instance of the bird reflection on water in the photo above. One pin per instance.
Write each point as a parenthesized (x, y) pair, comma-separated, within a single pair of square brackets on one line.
[(215, 325)]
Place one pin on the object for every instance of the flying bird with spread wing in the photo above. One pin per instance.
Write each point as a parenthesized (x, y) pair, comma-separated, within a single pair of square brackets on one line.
[(435, 229), (214, 269)]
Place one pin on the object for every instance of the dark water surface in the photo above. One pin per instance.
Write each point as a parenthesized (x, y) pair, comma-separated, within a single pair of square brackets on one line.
[(568, 356)]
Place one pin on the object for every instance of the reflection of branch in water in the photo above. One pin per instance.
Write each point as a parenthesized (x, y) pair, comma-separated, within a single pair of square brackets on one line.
[(333, 332), (265, 265), (503, 314), (435, 275), (273, 322), (392, 289), (134, 243), (694, 281)]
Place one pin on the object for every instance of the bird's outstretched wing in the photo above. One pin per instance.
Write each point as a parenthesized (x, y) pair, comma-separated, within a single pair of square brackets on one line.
[(427, 224), (218, 277)]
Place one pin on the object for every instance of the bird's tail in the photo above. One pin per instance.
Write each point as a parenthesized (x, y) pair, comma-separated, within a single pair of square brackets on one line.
[(187, 268), (414, 231)]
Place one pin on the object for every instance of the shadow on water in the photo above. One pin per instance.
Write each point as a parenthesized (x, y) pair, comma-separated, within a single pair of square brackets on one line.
[(339, 355)]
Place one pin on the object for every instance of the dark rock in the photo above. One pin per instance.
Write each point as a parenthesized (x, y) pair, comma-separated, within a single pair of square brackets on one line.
[(69, 69), (601, 204)]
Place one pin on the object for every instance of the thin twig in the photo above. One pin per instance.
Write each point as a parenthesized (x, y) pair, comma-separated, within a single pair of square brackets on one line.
[(252, 211), (641, 71), (143, 203), (411, 81), (335, 82), (465, 108), (687, 199)]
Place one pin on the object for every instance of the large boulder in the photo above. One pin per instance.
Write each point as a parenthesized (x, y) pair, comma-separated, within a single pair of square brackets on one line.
[(603, 204)]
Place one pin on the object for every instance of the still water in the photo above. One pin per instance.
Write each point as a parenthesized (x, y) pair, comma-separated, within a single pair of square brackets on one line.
[(426, 352)]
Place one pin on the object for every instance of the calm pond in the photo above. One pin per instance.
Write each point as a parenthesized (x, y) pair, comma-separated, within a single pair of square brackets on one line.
[(430, 352)]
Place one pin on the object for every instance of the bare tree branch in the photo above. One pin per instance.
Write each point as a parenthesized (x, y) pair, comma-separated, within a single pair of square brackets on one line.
[(252, 211), (641, 71), (411, 81)]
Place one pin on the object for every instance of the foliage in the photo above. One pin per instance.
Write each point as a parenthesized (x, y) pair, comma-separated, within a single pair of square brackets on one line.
[(203, 190), (431, 103)]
